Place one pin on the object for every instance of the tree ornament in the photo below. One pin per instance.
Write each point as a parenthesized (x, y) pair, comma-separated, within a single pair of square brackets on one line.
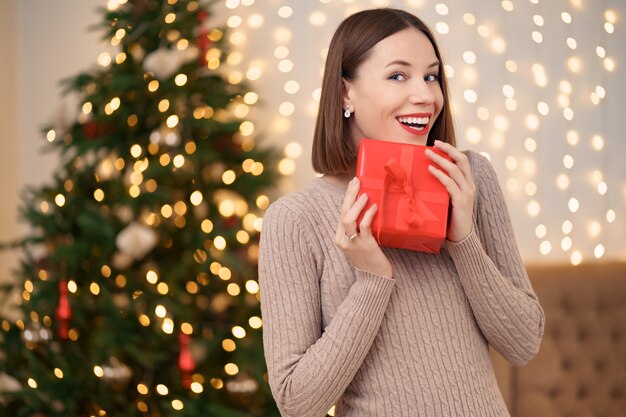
[(242, 385), (185, 360), (137, 52), (204, 43), (9, 384), (164, 62), (64, 311), (90, 157), (116, 373), (230, 222), (166, 136), (124, 213), (136, 240), (242, 389), (34, 334), (91, 129)]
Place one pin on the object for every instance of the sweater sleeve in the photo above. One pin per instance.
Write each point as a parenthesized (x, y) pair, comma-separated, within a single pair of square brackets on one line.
[(309, 367), (493, 276)]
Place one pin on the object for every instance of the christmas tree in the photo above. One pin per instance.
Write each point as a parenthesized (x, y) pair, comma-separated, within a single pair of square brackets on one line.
[(137, 284)]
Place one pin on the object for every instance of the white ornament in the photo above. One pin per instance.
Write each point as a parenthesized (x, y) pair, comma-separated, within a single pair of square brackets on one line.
[(36, 333), (164, 63), (90, 157), (166, 136), (137, 52), (242, 385), (9, 384), (191, 53), (38, 251), (115, 372), (124, 213), (136, 240)]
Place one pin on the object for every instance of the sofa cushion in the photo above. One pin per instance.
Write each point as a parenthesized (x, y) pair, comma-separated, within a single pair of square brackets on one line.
[(580, 369)]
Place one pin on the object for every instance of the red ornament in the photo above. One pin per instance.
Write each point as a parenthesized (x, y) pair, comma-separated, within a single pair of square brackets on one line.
[(230, 222), (185, 360), (91, 129), (64, 311), (203, 39)]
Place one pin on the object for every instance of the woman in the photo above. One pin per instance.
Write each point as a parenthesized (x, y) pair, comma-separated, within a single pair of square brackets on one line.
[(382, 331)]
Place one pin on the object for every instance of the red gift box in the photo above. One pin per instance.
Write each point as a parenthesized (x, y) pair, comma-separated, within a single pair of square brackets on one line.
[(412, 203)]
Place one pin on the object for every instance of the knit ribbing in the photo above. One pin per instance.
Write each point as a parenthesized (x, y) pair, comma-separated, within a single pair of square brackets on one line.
[(414, 345)]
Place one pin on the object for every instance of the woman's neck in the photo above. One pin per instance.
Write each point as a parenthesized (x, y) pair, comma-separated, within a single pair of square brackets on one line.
[(339, 181)]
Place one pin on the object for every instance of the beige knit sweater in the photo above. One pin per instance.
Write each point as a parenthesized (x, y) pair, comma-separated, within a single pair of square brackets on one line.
[(415, 345)]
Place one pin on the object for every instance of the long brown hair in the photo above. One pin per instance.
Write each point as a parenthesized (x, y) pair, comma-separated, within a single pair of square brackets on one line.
[(334, 152)]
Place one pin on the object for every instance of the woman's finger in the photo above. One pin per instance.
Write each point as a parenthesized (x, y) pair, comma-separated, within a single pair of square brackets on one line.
[(460, 159), (451, 168), (350, 196), (366, 223), (354, 212), (451, 185)]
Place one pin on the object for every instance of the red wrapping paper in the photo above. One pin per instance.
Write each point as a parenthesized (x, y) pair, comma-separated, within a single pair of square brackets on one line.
[(412, 203)]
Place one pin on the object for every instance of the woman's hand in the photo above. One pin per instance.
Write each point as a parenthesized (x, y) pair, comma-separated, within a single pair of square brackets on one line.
[(460, 184), (357, 242)]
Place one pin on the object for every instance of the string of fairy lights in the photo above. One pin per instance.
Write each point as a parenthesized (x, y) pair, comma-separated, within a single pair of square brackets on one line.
[(567, 200)]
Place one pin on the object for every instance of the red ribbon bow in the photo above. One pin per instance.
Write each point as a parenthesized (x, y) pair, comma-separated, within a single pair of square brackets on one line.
[(397, 180)]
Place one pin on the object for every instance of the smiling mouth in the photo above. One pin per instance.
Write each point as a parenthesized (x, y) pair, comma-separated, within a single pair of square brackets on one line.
[(416, 123)]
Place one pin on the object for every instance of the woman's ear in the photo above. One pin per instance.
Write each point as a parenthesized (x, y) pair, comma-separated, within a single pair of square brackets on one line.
[(347, 93)]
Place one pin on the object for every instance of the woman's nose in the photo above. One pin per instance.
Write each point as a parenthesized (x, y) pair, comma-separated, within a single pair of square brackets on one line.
[(421, 93)]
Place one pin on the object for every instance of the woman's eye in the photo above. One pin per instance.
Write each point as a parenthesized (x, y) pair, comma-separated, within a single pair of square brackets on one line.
[(432, 78), (397, 77)]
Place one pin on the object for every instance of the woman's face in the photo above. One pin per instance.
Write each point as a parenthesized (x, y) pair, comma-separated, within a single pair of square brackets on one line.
[(396, 95)]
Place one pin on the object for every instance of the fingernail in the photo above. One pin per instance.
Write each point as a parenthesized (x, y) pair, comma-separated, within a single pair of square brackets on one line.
[(363, 196), (354, 181)]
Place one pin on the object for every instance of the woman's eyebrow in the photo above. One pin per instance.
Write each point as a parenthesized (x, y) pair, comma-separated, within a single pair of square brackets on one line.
[(398, 62), (406, 64)]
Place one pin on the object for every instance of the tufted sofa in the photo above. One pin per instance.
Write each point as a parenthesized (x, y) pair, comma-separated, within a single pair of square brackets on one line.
[(580, 370)]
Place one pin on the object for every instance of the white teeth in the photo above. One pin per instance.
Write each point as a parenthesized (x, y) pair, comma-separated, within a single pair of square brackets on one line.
[(414, 120)]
